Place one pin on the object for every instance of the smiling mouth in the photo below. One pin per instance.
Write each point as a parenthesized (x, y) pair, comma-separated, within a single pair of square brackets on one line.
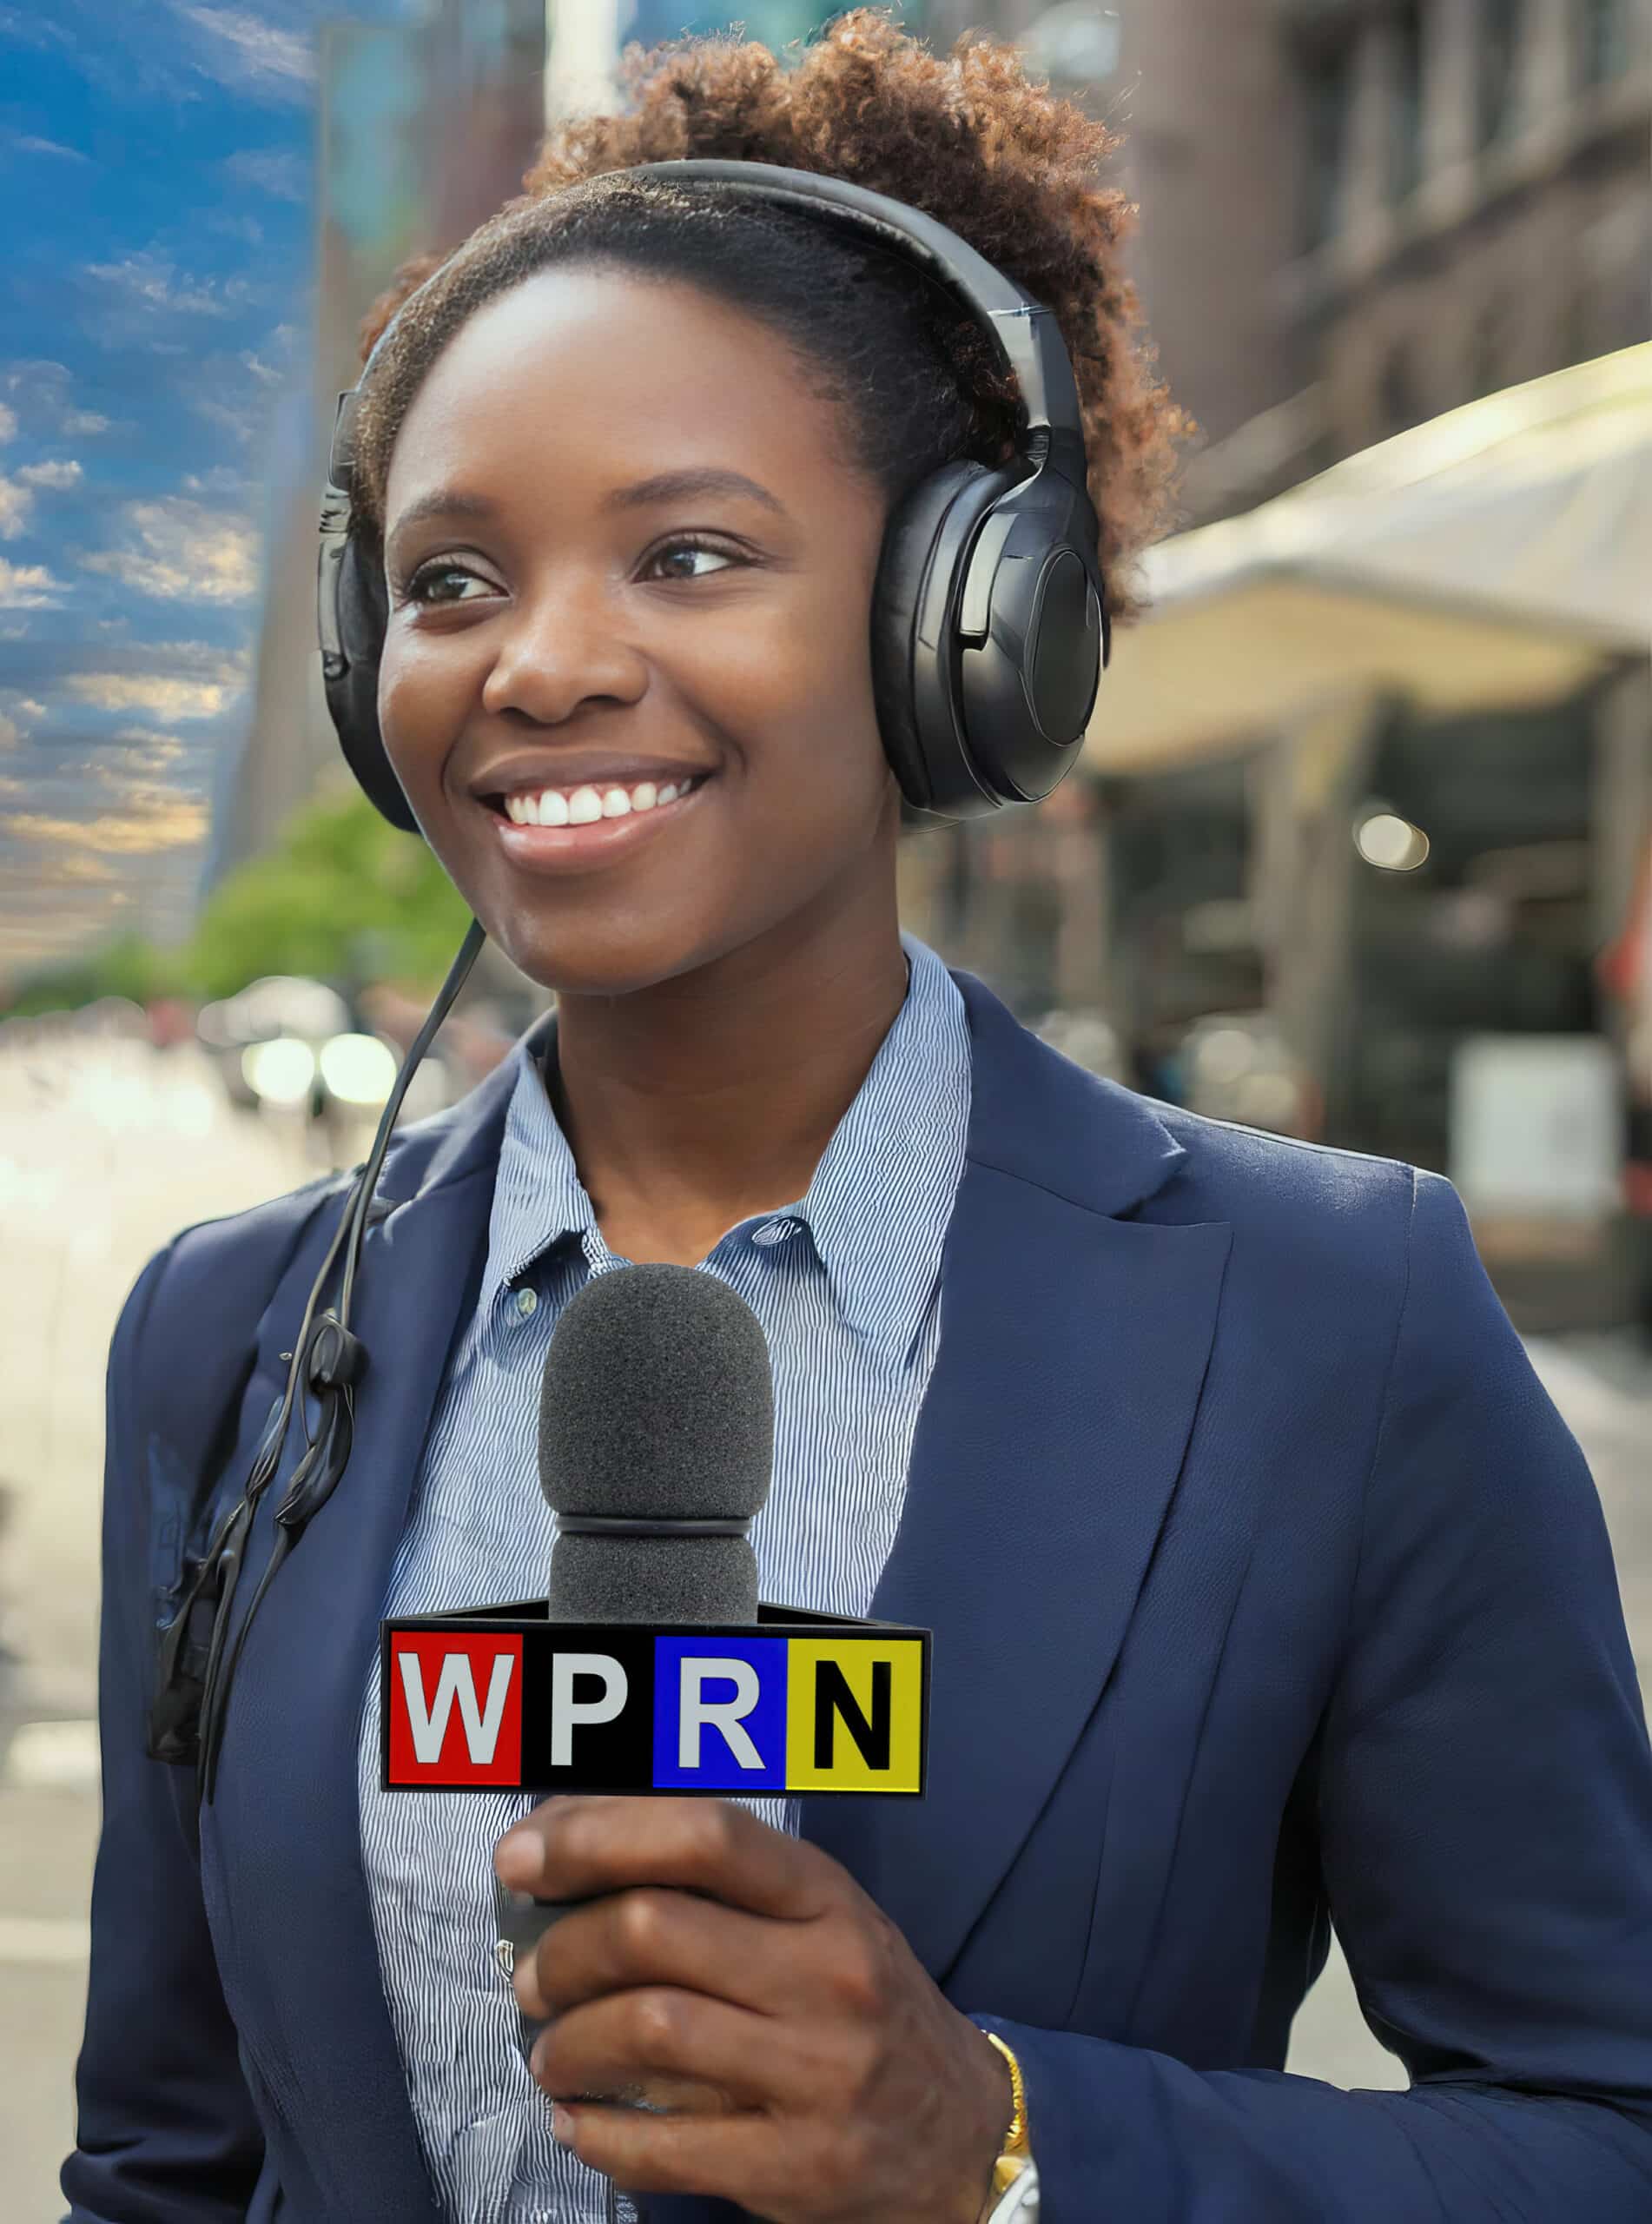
[(588, 841), (589, 806)]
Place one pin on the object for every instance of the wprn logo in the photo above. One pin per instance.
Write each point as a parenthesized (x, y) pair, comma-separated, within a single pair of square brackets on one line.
[(548, 1707)]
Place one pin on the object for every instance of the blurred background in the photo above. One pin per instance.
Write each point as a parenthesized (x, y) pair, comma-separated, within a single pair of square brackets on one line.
[(1359, 850)]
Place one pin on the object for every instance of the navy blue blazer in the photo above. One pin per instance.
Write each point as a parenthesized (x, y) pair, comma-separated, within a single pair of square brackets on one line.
[(1266, 1584)]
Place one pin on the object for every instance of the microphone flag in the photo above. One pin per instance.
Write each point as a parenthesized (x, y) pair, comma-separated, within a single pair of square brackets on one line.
[(505, 1699)]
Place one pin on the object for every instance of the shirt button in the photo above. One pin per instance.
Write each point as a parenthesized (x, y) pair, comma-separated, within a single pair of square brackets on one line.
[(528, 1302), (775, 1232)]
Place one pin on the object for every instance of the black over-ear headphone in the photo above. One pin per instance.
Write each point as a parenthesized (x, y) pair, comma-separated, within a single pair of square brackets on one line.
[(990, 619), (989, 634)]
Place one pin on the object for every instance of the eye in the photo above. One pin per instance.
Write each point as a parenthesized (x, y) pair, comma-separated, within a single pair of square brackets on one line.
[(691, 545), (433, 583)]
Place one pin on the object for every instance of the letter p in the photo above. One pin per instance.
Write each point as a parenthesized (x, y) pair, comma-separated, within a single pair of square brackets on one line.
[(566, 1711)]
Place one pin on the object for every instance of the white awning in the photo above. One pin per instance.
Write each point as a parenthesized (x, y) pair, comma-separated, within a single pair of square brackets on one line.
[(1496, 556)]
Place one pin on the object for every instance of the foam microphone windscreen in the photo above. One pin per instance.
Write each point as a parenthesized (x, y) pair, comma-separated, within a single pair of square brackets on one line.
[(657, 1407)]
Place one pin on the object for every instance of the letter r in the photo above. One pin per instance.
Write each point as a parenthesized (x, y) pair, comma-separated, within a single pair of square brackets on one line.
[(696, 1712)]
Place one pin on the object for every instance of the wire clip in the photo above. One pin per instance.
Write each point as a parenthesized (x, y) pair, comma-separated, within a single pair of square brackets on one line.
[(336, 1358)]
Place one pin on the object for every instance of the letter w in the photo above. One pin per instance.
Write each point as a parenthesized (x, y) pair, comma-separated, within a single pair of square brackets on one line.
[(456, 1682)]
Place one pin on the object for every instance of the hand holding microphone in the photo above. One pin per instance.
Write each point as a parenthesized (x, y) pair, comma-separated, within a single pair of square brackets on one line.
[(787, 2050), (813, 2069)]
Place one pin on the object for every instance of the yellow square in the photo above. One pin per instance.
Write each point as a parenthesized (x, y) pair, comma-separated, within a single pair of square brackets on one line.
[(855, 1714)]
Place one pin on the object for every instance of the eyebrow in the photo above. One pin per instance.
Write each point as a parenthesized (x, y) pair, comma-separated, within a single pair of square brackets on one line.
[(664, 487), (672, 485)]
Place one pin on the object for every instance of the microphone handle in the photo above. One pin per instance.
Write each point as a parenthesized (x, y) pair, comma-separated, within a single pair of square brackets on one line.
[(523, 1922)]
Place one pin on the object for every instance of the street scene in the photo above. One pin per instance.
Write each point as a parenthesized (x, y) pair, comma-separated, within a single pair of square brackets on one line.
[(1355, 849)]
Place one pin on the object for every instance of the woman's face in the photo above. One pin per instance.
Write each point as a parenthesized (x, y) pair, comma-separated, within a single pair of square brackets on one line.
[(624, 550)]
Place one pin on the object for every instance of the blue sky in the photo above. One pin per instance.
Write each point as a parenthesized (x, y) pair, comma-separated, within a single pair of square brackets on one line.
[(156, 271)]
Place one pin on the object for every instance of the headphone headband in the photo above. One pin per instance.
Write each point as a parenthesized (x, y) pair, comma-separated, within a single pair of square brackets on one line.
[(1022, 331)]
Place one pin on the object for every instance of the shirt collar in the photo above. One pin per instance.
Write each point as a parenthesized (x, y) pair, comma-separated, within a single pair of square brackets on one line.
[(538, 1199), (882, 1196)]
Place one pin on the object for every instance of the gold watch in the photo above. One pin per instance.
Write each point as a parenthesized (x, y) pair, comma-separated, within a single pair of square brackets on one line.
[(1015, 2155)]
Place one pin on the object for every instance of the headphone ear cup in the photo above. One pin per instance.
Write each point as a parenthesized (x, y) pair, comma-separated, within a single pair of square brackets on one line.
[(353, 693), (912, 645)]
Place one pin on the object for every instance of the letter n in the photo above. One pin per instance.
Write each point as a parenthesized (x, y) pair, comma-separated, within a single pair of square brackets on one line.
[(833, 1699)]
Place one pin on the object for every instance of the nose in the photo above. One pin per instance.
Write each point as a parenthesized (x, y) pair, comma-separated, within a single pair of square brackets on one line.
[(563, 646)]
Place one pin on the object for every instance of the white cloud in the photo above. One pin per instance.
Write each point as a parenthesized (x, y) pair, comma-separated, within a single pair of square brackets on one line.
[(166, 698), (179, 550), (15, 502), (284, 177), (138, 754), (12, 728), (232, 225), (152, 819), (41, 389), (203, 661), (28, 586), (150, 279), (222, 479), (241, 50), (242, 422), (55, 475), (49, 147)]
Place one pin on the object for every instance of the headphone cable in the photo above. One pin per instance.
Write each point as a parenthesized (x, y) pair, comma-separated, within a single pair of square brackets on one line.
[(333, 1361)]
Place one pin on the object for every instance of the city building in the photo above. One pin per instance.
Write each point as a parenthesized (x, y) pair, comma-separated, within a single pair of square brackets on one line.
[(423, 130), (1358, 213)]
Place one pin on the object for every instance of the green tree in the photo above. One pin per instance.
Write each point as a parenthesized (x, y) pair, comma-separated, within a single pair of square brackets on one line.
[(342, 898)]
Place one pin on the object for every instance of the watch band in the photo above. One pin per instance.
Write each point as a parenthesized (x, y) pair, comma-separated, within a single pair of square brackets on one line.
[(1019, 2204)]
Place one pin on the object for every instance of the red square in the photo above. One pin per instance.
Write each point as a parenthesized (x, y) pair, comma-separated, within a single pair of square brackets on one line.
[(455, 1708)]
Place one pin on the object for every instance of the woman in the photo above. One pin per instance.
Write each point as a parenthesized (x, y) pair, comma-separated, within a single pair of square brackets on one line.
[(1265, 1583)]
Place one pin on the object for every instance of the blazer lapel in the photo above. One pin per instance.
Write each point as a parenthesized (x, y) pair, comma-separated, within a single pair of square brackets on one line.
[(301, 1905), (1073, 1345)]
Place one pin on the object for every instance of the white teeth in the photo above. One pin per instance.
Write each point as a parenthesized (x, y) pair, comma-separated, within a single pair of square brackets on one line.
[(555, 808)]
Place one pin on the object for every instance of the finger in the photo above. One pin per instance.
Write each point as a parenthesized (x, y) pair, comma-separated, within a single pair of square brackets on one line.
[(652, 1935), (713, 2156), (675, 2096), (574, 1846), (629, 2043)]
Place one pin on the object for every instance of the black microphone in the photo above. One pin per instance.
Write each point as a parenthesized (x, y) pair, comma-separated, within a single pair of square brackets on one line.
[(656, 1435), (656, 1429)]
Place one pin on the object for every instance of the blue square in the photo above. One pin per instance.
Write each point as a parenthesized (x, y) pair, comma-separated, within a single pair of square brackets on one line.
[(720, 1713)]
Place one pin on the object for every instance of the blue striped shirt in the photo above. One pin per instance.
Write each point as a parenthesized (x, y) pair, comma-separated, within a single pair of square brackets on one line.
[(846, 1282)]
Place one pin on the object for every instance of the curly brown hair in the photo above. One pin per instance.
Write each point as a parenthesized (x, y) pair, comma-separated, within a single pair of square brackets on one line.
[(968, 139)]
